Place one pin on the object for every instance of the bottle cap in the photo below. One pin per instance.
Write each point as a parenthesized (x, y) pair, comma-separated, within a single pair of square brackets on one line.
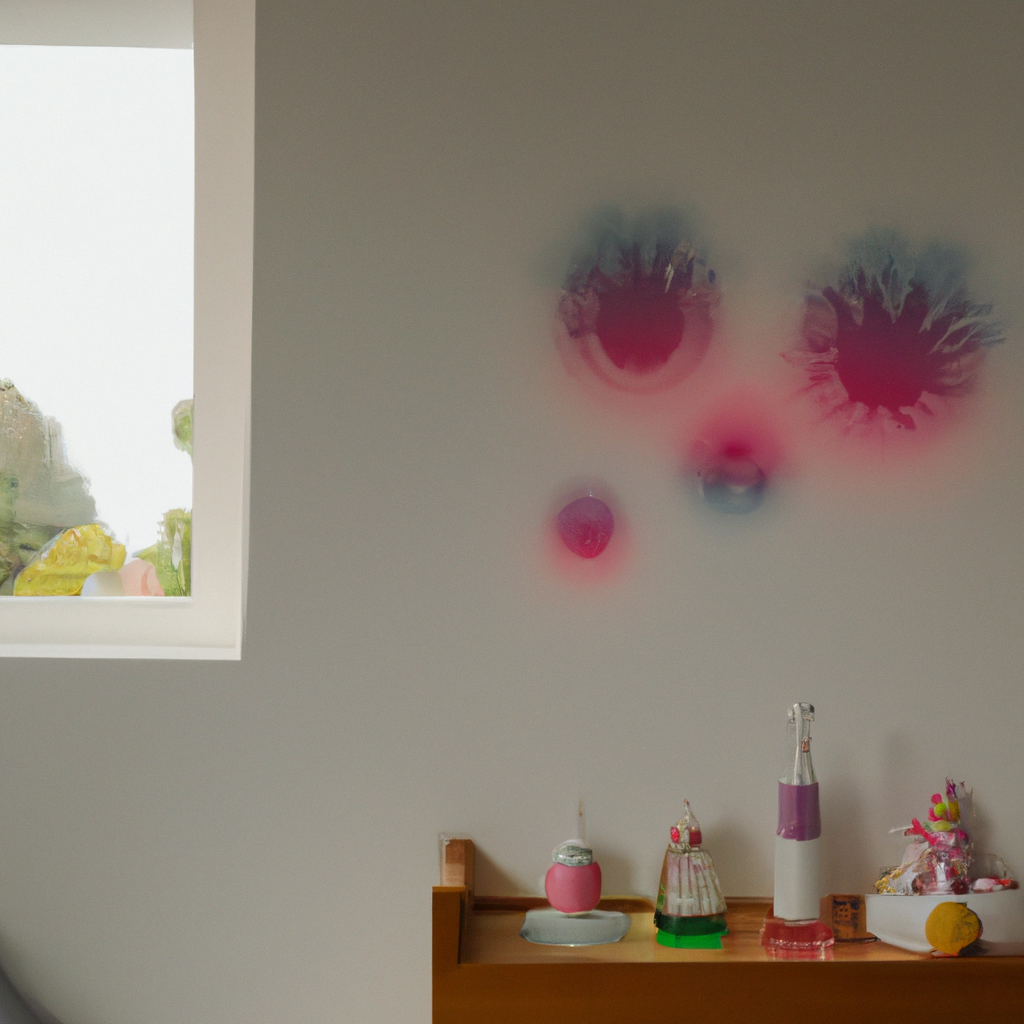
[(685, 833), (801, 710)]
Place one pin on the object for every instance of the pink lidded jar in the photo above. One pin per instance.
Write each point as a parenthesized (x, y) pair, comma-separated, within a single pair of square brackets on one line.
[(573, 883)]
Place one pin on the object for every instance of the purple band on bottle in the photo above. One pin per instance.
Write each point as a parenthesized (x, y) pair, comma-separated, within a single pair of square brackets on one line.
[(799, 814)]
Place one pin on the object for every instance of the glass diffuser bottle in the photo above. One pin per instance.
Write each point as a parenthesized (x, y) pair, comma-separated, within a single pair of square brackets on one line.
[(793, 928), (690, 912)]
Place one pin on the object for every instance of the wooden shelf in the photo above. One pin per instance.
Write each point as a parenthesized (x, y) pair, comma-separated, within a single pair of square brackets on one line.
[(484, 973)]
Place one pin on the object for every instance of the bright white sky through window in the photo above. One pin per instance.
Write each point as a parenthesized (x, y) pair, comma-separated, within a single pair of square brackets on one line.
[(96, 263)]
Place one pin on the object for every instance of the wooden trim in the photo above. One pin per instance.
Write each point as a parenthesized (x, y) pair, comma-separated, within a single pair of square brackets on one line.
[(772, 993), (457, 862), (520, 904), (447, 925)]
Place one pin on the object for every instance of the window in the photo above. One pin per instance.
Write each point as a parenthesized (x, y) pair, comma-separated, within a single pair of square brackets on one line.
[(130, 67)]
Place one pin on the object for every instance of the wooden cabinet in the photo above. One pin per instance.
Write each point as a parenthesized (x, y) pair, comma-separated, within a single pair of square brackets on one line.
[(484, 973)]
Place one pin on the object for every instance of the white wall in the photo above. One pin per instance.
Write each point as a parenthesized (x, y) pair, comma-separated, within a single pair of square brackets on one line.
[(166, 23), (257, 841)]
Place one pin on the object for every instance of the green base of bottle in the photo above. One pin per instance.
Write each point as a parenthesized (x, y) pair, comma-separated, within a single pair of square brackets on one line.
[(691, 932)]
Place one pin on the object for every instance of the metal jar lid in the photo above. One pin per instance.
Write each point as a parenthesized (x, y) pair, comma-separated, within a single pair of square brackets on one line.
[(574, 853)]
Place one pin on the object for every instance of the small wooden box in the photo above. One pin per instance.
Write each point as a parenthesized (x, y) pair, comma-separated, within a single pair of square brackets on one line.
[(846, 915)]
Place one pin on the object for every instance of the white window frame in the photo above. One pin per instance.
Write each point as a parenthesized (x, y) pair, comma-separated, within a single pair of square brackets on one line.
[(210, 623)]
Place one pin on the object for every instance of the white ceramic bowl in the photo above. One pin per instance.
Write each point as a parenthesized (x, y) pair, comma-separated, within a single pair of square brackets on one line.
[(899, 920)]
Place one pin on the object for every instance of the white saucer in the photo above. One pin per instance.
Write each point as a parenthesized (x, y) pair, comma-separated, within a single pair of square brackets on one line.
[(551, 927)]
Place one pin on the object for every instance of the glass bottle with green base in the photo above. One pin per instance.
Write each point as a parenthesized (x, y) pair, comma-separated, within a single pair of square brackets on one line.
[(690, 912)]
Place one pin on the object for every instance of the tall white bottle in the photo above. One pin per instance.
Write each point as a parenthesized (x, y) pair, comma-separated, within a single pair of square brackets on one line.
[(798, 836)]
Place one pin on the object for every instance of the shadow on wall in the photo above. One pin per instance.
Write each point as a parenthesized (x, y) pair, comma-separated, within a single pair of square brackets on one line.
[(15, 1009), (898, 800), (846, 852), (489, 879), (985, 861), (735, 856), (617, 867)]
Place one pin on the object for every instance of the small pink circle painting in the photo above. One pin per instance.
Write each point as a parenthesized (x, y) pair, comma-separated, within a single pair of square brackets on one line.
[(585, 526)]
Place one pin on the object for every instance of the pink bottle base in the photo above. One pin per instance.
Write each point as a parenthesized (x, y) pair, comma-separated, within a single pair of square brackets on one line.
[(796, 940)]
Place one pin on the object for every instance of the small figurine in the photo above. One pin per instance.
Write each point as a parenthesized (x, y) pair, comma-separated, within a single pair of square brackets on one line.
[(690, 912)]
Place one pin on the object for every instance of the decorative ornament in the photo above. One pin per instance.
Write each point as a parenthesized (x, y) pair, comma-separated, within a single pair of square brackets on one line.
[(585, 526), (690, 912)]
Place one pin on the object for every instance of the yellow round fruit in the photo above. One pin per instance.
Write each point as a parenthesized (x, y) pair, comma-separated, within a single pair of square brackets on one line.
[(951, 927)]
